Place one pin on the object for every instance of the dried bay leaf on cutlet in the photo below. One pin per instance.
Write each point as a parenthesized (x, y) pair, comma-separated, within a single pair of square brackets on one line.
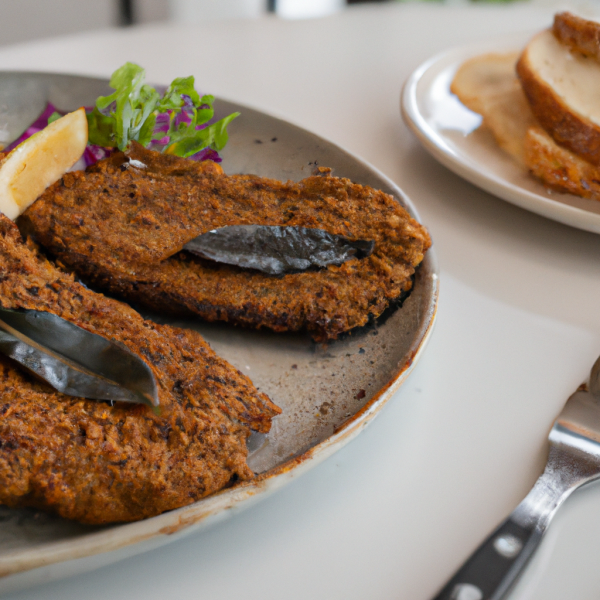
[(277, 249), (73, 360)]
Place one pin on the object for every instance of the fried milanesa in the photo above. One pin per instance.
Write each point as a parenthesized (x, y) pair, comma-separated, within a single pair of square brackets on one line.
[(97, 463), (122, 228)]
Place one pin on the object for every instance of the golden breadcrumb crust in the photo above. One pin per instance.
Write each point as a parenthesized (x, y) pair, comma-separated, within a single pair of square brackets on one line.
[(122, 229), (96, 463)]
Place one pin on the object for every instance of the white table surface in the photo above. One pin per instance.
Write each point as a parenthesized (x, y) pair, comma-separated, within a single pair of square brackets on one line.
[(397, 510)]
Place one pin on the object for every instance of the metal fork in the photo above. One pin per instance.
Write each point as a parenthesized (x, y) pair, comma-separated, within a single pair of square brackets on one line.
[(573, 460)]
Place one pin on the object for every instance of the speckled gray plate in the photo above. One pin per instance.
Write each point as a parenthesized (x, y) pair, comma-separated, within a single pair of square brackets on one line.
[(327, 393)]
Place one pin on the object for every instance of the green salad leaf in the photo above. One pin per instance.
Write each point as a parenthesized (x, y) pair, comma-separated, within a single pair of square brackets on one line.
[(175, 123)]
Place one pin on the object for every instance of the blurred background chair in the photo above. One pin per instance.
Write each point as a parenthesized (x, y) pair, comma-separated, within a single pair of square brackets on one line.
[(23, 20)]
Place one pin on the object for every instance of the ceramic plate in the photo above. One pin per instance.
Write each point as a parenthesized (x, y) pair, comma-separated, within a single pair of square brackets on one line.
[(450, 132), (327, 393)]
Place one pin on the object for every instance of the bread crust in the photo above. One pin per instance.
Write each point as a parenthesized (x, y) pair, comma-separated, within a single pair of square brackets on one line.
[(580, 35), (487, 84), (558, 168), (568, 128)]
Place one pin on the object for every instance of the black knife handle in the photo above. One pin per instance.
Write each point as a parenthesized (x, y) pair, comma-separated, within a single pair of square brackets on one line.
[(492, 569)]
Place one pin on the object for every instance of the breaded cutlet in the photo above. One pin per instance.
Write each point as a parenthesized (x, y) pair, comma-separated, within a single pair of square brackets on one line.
[(97, 463), (121, 227)]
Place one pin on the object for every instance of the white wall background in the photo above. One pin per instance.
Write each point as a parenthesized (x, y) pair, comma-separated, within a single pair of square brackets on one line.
[(193, 11), (22, 20), (148, 11)]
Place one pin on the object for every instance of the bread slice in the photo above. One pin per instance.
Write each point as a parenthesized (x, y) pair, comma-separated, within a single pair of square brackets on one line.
[(483, 77), (487, 85), (558, 168), (562, 89), (580, 35)]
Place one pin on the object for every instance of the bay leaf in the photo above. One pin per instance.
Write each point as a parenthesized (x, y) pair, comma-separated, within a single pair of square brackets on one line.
[(277, 249)]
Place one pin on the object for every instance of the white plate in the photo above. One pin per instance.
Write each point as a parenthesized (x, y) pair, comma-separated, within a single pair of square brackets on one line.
[(448, 130), (327, 393)]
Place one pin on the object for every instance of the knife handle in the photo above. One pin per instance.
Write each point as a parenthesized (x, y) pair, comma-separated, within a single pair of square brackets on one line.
[(492, 569)]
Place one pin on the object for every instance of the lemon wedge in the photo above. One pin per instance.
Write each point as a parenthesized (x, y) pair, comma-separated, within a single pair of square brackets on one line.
[(41, 160)]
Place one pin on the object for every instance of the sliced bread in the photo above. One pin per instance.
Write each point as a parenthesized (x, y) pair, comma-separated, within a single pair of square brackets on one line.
[(580, 35), (558, 168), (563, 88), (487, 85)]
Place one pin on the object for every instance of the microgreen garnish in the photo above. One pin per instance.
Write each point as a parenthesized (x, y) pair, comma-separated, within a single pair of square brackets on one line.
[(174, 123)]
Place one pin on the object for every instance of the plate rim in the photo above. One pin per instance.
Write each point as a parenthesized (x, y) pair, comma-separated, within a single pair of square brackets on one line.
[(435, 142), (171, 525)]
